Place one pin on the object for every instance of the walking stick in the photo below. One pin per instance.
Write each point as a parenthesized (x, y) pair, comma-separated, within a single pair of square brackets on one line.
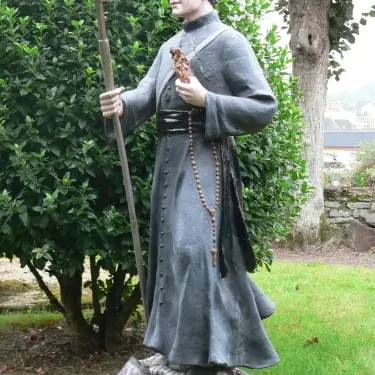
[(109, 85)]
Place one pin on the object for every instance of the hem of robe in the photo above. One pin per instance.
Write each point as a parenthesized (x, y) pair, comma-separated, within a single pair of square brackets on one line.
[(265, 308), (250, 366)]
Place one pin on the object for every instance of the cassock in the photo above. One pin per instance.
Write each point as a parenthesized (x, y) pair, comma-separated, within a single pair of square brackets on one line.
[(200, 314)]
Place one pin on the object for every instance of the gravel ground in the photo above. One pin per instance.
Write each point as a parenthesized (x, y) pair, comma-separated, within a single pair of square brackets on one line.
[(341, 254)]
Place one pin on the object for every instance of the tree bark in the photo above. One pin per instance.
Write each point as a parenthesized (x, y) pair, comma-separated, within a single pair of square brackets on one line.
[(117, 313), (309, 24), (85, 339), (94, 268), (109, 333), (115, 322), (118, 319), (43, 286)]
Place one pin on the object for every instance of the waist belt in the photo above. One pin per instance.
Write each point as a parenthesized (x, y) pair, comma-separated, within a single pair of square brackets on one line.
[(177, 122)]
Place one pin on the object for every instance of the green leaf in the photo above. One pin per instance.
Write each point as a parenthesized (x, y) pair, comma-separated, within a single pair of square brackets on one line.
[(81, 123), (304, 187), (6, 229), (53, 92), (55, 150), (41, 26), (44, 221), (87, 284), (159, 25), (24, 217), (48, 256)]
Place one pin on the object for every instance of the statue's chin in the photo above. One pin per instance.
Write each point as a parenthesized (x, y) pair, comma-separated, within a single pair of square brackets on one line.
[(176, 13)]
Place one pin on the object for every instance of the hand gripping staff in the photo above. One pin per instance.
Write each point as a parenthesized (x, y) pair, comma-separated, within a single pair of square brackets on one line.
[(109, 85)]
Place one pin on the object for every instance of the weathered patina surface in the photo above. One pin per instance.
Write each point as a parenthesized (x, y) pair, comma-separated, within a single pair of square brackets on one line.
[(199, 314)]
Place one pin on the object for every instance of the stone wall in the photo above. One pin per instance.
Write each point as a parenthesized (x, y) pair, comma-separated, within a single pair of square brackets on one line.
[(344, 204)]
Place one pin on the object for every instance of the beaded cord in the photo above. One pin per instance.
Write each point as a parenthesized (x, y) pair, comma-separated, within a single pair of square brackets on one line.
[(212, 211)]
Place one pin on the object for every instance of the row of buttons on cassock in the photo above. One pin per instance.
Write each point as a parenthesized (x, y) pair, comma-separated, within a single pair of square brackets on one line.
[(162, 233)]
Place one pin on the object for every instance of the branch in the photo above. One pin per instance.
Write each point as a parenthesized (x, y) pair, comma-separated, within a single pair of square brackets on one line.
[(115, 294), (131, 304), (112, 304), (95, 288), (42, 285)]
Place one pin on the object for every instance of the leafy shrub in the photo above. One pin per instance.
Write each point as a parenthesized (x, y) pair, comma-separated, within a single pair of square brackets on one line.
[(365, 155), (364, 173), (343, 178), (62, 197), (365, 178), (61, 193)]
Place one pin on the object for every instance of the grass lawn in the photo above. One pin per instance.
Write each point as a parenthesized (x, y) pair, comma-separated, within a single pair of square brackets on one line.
[(325, 319), (37, 319), (324, 324)]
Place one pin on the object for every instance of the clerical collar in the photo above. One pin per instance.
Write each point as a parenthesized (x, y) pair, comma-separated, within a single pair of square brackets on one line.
[(201, 21)]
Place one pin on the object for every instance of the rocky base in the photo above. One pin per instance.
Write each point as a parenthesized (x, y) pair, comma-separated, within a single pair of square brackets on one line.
[(159, 365), (134, 367)]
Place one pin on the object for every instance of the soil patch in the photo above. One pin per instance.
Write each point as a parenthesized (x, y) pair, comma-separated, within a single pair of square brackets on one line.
[(47, 352)]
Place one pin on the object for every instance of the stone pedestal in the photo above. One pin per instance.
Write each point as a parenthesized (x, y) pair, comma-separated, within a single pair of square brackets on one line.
[(134, 367), (158, 365)]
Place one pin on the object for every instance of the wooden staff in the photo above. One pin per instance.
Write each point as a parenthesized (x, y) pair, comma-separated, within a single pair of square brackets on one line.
[(105, 53)]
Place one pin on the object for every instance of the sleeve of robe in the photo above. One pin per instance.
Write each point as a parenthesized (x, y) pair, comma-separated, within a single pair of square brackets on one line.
[(140, 103), (252, 104)]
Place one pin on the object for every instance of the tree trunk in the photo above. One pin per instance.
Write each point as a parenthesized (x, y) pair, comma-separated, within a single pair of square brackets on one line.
[(111, 323), (116, 319), (85, 340), (117, 313), (309, 25)]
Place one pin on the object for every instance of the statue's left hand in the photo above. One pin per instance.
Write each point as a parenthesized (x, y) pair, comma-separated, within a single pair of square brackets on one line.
[(193, 93)]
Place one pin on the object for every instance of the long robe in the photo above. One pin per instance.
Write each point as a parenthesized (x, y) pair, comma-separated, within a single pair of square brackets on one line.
[(200, 314)]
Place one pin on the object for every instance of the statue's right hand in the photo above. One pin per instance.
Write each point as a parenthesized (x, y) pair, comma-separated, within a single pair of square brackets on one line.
[(111, 102)]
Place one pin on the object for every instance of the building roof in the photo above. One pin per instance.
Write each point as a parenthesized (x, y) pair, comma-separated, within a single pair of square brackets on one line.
[(331, 124), (349, 139), (368, 102), (346, 125)]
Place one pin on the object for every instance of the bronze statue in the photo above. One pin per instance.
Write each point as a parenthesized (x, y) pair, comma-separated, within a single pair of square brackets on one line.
[(205, 312)]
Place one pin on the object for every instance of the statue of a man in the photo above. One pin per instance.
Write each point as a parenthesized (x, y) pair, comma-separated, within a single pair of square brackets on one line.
[(204, 311)]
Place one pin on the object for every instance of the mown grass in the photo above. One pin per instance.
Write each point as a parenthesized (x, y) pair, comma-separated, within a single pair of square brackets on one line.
[(32, 319), (335, 304)]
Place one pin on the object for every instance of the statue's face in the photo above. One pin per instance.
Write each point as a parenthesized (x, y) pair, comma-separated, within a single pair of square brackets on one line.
[(185, 8)]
